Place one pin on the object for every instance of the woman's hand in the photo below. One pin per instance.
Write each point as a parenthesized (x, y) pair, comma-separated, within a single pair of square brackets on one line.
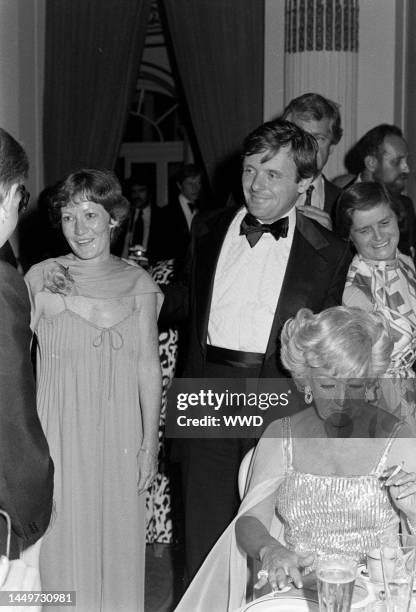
[(402, 488), (280, 566), (146, 468)]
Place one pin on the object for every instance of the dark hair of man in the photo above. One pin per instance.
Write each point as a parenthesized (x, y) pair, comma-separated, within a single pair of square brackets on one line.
[(372, 141), (99, 186), (360, 196), (188, 171), (14, 165), (313, 106), (270, 137), (140, 180)]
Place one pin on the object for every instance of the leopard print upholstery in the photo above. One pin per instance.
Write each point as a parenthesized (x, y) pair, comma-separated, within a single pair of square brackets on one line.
[(158, 496)]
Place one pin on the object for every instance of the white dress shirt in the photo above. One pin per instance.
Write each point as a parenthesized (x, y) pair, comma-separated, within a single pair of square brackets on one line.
[(247, 287), (189, 214)]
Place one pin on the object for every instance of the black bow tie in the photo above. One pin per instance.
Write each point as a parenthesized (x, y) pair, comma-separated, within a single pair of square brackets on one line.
[(253, 229)]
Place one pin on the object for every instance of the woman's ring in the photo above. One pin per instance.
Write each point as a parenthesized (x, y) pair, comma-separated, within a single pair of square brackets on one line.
[(262, 574)]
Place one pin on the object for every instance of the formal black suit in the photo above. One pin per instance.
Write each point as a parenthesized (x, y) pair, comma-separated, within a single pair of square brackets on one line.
[(314, 278), (176, 231), (332, 193), (156, 248), (407, 224), (26, 469)]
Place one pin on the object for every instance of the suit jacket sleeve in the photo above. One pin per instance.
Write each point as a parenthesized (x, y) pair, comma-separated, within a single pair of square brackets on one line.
[(336, 288), (177, 305), (26, 469)]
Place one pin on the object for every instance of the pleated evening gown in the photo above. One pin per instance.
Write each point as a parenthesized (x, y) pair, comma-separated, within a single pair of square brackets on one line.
[(89, 407)]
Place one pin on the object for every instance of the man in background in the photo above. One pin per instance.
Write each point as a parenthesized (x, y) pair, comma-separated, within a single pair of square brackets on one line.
[(144, 226), (382, 157), (181, 209), (321, 118)]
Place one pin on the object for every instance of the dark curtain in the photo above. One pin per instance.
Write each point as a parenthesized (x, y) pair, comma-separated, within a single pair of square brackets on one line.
[(410, 96), (219, 51), (93, 50)]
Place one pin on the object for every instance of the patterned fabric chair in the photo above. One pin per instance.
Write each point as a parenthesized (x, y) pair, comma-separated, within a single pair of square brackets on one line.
[(158, 496)]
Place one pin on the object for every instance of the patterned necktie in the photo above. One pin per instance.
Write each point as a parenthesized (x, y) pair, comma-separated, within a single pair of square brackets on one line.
[(253, 229), (308, 199), (137, 237)]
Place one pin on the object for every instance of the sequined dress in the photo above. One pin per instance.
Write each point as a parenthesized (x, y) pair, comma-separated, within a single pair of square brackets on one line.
[(333, 514)]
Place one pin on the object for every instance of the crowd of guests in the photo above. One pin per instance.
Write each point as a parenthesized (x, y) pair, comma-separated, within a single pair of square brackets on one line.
[(258, 296)]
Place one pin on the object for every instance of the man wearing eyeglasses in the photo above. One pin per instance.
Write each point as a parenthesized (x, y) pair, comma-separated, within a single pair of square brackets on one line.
[(382, 156), (26, 469)]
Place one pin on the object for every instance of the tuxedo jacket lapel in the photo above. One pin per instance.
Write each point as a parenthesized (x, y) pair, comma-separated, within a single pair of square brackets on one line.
[(305, 266)]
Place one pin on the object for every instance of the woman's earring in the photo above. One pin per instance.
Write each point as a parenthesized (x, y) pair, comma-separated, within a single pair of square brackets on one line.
[(308, 395)]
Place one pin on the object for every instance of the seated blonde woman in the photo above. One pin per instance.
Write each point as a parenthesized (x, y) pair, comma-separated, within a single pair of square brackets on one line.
[(320, 481)]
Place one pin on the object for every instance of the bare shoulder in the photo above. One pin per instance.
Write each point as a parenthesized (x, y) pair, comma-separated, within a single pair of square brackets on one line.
[(403, 449), (274, 430)]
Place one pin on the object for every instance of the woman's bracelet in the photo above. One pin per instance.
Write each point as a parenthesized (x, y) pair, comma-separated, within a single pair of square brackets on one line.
[(147, 451)]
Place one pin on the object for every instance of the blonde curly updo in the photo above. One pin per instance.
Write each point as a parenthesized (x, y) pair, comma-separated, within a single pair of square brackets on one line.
[(347, 342)]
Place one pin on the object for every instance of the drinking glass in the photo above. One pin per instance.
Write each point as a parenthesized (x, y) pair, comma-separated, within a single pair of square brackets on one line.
[(335, 580), (398, 565)]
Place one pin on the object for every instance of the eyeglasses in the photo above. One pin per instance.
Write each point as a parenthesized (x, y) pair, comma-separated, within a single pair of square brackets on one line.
[(24, 198)]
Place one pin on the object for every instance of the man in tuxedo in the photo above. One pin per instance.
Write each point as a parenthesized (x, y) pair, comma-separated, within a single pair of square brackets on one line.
[(321, 118), (251, 267), (181, 209), (144, 226), (26, 469), (382, 156)]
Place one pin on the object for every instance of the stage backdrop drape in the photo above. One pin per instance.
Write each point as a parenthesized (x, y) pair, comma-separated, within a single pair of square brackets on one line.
[(92, 58), (219, 51)]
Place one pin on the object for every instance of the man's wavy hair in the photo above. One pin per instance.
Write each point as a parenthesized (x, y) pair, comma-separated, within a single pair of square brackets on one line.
[(343, 341), (314, 106), (272, 136)]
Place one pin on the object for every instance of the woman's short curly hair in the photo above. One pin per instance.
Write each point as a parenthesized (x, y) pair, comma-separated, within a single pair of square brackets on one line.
[(359, 197), (347, 342), (99, 186)]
